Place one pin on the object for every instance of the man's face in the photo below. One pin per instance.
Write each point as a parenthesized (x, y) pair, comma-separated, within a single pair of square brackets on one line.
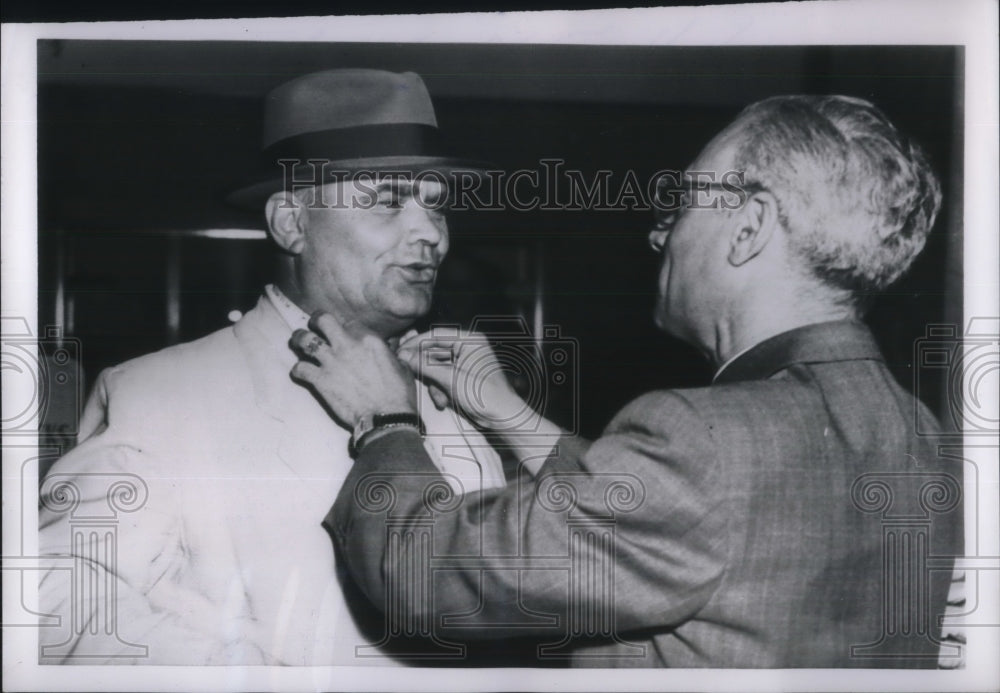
[(372, 251), (692, 243)]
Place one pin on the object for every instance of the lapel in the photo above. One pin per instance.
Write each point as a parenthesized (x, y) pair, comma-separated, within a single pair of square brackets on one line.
[(312, 445), (263, 336), (306, 439)]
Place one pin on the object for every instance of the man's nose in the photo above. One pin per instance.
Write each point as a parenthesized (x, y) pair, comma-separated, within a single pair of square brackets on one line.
[(426, 225)]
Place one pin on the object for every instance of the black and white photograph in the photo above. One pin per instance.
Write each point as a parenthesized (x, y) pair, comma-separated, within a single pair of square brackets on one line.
[(503, 351)]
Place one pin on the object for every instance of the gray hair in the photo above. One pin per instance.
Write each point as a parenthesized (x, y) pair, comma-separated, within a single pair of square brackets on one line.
[(857, 198)]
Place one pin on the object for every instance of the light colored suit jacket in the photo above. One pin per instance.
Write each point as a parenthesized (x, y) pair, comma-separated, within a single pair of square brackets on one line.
[(188, 518), (794, 514)]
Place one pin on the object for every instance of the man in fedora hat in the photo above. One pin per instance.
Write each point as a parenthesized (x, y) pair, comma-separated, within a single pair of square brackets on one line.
[(211, 464)]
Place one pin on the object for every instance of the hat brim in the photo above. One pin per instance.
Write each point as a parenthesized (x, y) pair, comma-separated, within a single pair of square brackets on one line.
[(253, 196)]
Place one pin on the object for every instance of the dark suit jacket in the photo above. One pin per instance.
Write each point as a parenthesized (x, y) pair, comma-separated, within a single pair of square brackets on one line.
[(789, 515)]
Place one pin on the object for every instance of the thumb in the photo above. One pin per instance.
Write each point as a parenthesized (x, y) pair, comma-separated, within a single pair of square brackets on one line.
[(437, 376), (410, 356), (438, 396)]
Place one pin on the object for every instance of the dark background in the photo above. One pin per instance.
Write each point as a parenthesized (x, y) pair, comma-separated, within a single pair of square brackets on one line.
[(138, 143), (124, 10)]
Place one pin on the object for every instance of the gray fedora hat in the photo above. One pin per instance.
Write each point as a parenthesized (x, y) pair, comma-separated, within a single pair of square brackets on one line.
[(349, 121)]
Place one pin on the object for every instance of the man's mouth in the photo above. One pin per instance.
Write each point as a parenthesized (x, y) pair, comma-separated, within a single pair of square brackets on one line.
[(418, 272)]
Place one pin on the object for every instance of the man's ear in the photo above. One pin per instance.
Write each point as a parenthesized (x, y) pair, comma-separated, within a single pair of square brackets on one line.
[(756, 222), (286, 220)]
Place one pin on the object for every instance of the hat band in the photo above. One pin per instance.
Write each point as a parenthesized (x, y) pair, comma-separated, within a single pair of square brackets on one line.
[(359, 142)]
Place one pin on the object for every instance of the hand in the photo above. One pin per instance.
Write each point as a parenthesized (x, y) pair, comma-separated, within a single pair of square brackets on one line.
[(354, 374), (464, 372)]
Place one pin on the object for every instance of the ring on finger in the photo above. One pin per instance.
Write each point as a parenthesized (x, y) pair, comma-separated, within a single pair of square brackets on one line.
[(312, 346)]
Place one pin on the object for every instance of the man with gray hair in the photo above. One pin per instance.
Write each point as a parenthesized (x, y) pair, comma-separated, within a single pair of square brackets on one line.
[(791, 514)]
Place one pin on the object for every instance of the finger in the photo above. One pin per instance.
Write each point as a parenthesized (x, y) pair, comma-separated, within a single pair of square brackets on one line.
[(410, 355), (429, 350), (408, 345), (432, 374), (439, 336), (425, 342), (306, 372), (438, 354), (470, 340), (327, 327), (410, 360), (309, 345), (411, 340), (417, 359), (438, 396)]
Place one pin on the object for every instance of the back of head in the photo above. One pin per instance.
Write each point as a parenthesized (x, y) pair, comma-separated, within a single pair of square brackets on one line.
[(857, 198)]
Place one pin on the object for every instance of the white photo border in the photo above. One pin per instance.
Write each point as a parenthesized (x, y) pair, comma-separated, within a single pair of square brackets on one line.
[(969, 23)]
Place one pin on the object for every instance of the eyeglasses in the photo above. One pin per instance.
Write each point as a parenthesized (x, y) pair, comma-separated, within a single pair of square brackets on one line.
[(675, 198), (675, 195)]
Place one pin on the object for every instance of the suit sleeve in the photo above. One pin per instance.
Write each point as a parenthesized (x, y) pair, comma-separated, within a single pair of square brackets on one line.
[(640, 502), (117, 561)]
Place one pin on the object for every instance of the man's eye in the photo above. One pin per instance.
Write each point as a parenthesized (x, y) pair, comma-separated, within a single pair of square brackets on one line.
[(435, 200), (390, 200)]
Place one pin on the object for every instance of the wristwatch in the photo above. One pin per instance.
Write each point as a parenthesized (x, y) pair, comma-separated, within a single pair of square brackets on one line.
[(372, 422)]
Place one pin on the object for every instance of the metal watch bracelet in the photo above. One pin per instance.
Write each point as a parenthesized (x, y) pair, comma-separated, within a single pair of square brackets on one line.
[(376, 422)]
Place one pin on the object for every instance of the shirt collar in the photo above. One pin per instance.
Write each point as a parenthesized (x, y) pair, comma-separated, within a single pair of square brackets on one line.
[(294, 317), (291, 314), (839, 340), (731, 359)]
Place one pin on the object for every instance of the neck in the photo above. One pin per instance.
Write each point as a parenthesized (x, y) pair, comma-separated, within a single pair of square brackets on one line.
[(747, 328), (290, 288)]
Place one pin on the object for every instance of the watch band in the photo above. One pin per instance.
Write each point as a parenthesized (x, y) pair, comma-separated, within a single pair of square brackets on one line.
[(374, 422)]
